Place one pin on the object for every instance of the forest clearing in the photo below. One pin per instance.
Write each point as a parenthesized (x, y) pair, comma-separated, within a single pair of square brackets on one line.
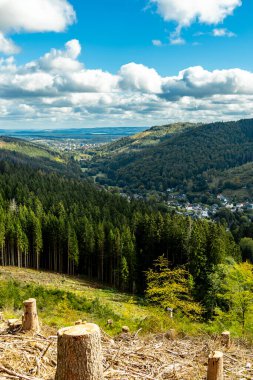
[(137, 354), (125, 357)]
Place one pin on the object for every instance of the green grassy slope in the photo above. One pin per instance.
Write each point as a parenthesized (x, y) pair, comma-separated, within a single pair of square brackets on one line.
[(64, 299)]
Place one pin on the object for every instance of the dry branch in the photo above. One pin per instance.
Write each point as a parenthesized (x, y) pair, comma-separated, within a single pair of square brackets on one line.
[(131, 358), (15, 374)]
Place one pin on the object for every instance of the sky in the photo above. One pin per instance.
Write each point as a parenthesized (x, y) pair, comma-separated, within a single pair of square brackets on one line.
[(93, 63)]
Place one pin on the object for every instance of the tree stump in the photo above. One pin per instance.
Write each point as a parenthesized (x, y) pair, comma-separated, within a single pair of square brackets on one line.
[(79, 353), (30, 321), (215, 366), (171, 334), (125, 329), (225, 339), (109, 322)]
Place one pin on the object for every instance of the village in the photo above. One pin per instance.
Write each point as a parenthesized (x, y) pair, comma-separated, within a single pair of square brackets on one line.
[(181, 204)]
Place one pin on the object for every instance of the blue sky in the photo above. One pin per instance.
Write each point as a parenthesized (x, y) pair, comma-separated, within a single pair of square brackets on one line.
[(114, 32), (127, 62)]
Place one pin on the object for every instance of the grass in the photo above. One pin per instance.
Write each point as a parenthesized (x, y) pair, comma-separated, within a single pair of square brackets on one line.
[(64, 299)]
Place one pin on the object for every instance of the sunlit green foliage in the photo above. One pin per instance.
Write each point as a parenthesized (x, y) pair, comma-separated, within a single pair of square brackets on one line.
[(236, 291), (171, 288)]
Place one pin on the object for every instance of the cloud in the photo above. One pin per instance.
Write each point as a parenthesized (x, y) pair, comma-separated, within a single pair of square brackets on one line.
[(139, 78), (61, 60), (223, 32), (157, 43), (200, 83), (175, 37), (58, 88), (96, 81), (35, 15), (187, 12), (7, 46), (32, 16)]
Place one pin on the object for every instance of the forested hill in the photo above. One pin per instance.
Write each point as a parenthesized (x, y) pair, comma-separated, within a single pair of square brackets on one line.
[(59, 222), (193, 158), (140, 141), (23, 152)]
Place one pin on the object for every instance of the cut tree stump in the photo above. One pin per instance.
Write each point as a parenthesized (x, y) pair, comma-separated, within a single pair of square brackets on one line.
[(225, 339), (215, 366), (171, 334), (125, 329), (30, 321), (79, 353), (109, 322)]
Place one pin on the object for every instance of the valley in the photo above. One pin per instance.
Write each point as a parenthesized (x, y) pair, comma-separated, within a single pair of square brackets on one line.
[(126, 190), (198, 160), (95, 252)]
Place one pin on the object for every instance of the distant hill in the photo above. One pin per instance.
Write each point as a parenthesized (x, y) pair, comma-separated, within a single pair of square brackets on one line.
[(190, 157), (36, 156)]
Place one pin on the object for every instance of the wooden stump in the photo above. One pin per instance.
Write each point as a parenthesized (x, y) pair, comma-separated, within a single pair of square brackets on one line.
[(79, 355), (109, 322), (171, 334), (215, 366), (30, 321), (225, 339), (125, 329)]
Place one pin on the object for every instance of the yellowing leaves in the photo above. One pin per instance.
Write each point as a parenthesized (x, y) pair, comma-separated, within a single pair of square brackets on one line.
[(171, 288)]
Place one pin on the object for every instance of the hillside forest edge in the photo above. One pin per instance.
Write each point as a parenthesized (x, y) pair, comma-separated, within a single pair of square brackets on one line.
[(53, 219)]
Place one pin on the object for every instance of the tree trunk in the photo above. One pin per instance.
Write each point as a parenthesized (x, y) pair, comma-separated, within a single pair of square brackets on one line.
[(18, 258), (37, 260), (2, 254), (215, 366), (30, 321), (79, 354)]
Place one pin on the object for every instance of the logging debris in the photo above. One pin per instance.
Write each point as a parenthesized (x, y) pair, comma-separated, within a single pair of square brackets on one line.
[(126, 357)]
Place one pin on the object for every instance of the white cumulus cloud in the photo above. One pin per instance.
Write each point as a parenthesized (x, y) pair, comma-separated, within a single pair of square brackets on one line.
[(200, 83), (7, 46), (61, 60), (35, 15), (139, 78), (58, 88), (32, 16), (186, 12)]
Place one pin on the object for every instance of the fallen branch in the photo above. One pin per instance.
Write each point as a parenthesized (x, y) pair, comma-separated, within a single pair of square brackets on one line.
[(15, 374)]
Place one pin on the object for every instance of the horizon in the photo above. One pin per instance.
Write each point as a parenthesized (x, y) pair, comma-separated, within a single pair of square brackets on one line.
[(71, 128)]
